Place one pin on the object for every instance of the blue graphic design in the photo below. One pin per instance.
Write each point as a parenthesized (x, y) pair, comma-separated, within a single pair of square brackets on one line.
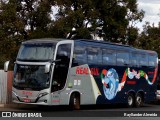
[(110, 82)]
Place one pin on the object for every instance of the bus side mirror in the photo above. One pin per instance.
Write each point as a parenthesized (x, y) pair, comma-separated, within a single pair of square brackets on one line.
[(6, 64), (47, 67)]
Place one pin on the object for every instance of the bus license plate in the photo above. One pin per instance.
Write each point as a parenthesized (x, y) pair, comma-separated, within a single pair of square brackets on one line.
[(26, 100)]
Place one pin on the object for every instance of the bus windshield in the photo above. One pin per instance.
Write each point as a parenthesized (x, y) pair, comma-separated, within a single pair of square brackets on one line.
[(36, 52), (30, 77)]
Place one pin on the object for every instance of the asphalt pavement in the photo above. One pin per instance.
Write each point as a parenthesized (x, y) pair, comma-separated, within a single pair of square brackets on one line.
[(87, 112)]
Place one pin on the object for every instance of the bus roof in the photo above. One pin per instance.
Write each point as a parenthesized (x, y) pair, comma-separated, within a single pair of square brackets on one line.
[(91, 42), (115, 45), (102, 42), (43, 40)]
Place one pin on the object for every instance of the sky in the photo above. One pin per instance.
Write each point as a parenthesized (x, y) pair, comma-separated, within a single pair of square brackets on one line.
[(152, 9)]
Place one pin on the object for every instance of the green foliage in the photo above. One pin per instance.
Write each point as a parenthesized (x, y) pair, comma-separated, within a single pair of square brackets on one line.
[(21, 20), (150, 38), (112, 15), (132, 36)]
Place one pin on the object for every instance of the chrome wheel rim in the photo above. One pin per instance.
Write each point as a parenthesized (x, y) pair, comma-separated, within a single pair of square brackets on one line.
[(130, 101), (139, 100)]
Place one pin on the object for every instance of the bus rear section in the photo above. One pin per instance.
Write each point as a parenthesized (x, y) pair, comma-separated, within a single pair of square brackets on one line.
[(106, 73)]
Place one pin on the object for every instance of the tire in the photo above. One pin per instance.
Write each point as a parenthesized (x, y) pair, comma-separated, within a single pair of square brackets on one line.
[(130, 100), (74, 102), (139, 100)]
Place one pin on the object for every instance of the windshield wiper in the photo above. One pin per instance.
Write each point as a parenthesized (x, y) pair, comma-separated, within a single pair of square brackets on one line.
[(58, 60)]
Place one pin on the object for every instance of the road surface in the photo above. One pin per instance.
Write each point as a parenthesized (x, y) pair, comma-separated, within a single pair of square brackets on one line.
[(89, 112)]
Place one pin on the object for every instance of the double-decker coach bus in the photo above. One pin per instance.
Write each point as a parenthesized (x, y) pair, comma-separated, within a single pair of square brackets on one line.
[(81, 72)]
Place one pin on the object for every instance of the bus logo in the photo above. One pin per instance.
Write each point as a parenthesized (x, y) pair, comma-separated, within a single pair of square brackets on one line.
[(87, 71), (6, 114)]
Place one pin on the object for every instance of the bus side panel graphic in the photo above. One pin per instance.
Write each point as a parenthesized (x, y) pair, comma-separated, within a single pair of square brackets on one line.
[(111, 84), (108, 86)]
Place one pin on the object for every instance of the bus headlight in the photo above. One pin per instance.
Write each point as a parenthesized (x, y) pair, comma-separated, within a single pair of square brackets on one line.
[(42, 94)]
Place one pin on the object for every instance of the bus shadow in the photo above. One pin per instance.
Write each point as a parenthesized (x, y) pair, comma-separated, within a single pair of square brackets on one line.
[(106, 107), (111, 107)]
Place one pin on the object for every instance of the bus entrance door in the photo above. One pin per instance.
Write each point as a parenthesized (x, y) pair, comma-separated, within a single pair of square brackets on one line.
[(60, 71)]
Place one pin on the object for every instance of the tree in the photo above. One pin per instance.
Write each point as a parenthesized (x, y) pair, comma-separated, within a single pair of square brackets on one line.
[(149, 38), (27, 19), (134, 16), (21, 20), (35, 14), (78, 14), (10, 27), (114, 16)]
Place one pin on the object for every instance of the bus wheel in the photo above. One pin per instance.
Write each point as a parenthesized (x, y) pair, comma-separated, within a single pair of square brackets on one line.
[(74, 102), (130, 100), (139, 100)]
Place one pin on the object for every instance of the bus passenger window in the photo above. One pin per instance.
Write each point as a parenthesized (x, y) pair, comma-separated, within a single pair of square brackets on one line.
[(94, 55), (143, 60), (152, 60), (122, 58), (109, 57), (80, 55), (134, 59)]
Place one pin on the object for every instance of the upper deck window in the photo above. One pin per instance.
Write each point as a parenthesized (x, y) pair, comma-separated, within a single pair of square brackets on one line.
[(143, 60), (134, 60), (122, 58), (80, 54), (94, 55), (36, 52), (109, 56), (152, 60)]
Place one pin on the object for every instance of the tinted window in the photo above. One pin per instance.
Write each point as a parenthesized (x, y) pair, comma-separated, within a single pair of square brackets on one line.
[(36, 52), (143, 60), (61, 68), (31, 77), (134, 59), (122, 58), (94, 55), (80, 55), (152, 60), (109, 56), (64, 51)]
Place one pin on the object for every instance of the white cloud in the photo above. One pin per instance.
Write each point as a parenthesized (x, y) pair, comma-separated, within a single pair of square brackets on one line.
[(149, 1), (152, 9)]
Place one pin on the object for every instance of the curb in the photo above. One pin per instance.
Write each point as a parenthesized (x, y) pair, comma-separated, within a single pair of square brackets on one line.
[(7, 105), (2, 105), (13, 105)]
